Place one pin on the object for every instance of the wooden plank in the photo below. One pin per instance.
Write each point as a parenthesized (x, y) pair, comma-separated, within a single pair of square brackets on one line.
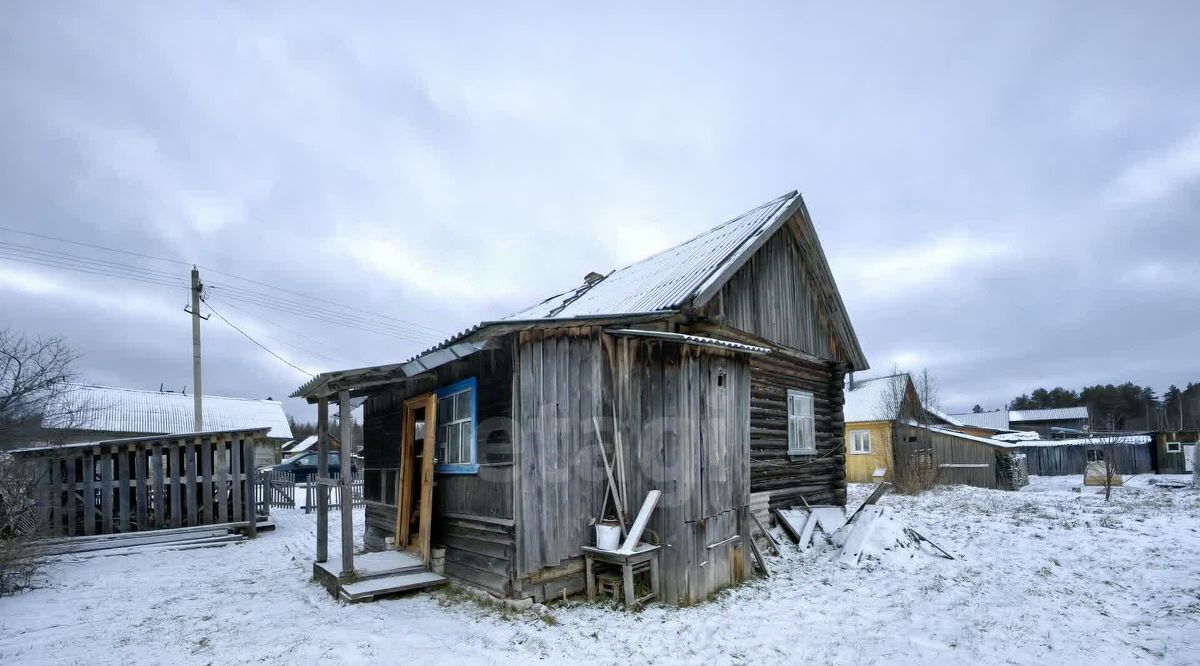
[(251, 510), (611, 491), (806, 534), (70, 511), (175, 461), (639, 525), (207, 507), (123, 482), (56, 518), (156, 472), (142, 497), (222, 463), (89, 492), (106, 492), (235, 481), (860, 531), (189, 464)]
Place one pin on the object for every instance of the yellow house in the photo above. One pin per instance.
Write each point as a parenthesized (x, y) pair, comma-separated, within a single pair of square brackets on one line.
[(871, 411)]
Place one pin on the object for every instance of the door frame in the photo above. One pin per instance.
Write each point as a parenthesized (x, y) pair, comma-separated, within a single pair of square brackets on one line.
[(408, 475)]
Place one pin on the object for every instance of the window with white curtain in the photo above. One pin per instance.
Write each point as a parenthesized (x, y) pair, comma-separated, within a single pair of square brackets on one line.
[(802, 434), (860, 441)]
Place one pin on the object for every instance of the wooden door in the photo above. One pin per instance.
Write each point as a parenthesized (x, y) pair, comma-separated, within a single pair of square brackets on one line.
[(415, 491)]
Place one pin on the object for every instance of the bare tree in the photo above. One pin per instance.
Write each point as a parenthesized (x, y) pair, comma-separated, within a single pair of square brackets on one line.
[(907, 403), (35, 378)]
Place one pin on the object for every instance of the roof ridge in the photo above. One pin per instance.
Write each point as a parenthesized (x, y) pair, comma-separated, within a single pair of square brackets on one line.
[(154, 392)]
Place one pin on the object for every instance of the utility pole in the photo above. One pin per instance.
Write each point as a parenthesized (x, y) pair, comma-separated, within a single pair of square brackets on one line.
[(197, 393)]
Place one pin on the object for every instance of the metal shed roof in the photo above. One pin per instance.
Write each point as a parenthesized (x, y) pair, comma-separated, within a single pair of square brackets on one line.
[(121, 410), (997, 420), (1060, 413)]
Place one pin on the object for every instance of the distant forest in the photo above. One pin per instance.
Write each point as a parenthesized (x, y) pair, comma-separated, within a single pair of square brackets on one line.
[(1124, 407)]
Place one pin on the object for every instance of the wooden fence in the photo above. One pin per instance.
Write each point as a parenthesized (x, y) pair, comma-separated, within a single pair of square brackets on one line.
[(147, 483), (280, 490)]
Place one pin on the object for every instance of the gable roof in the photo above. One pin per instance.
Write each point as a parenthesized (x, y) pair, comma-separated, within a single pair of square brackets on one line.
[(865, 402), (121, 410), (691, 273), (685, 276)]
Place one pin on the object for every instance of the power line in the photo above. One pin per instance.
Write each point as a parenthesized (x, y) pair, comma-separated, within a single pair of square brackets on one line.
[(260, 345), (431, 331), (94, 266), (300, 335)]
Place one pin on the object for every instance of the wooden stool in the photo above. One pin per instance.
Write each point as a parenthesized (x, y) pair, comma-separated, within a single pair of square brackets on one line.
[(643, 558)]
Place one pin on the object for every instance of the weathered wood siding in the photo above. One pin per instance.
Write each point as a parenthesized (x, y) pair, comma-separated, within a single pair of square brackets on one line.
[(774, 297), (1070, 459), (682, 416), (949, 449), (819, 478), (1167, 462), (472, 513)]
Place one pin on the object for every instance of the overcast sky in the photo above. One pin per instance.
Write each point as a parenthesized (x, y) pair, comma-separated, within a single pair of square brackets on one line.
[(1006, 196)]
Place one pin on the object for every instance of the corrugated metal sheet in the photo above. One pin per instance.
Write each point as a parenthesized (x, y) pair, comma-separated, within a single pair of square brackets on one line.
[(692, 339), (1017, 416), (997, 420), (120, 410), (667, 280)]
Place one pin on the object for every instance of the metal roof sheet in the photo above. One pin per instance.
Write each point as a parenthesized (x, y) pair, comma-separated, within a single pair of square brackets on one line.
[(997, 420), (691, 339), (1018, 415), (111, 409), (669, 279)]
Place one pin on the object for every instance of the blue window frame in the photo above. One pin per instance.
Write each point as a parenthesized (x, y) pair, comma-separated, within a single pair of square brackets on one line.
[(455, 445)]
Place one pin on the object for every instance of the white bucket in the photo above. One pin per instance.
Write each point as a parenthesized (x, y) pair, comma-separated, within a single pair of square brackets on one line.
[(608, 537)]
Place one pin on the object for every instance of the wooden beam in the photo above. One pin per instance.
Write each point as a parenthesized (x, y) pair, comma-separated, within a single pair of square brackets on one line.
[(322, 472), (347, 502)]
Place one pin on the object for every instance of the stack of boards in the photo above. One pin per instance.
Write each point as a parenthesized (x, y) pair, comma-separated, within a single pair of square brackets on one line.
[(127, 543)]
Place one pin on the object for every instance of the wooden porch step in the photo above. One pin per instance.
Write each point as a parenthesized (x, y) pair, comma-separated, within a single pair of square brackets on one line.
[(367, 590)]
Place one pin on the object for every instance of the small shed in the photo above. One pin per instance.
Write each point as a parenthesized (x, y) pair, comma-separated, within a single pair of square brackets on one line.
[(1174, 450), (1061, 457)]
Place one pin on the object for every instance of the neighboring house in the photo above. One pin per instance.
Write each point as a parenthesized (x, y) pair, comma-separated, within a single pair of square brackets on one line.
[(882, 418), (1065, 422), (87, 413), (716, 365), (874, 413)]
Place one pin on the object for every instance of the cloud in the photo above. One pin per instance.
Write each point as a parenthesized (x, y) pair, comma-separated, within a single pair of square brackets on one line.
[(1161, 174), (925, 267)]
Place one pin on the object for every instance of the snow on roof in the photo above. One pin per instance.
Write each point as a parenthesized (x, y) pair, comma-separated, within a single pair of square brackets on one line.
[(121, 410), (667, 280), (1019, 415), (302, 446), (867, 400), (1088, 441), (997, 420)]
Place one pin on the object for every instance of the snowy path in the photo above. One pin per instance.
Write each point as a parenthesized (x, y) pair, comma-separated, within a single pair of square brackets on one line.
[(1046, 575)]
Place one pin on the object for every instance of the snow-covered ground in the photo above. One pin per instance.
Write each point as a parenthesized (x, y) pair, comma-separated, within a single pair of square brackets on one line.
[(1046, 575)]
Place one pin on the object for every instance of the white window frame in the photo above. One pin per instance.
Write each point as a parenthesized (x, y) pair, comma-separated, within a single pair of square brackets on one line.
[(465, 461), (857, 440), (1174, 447), (802, 425)]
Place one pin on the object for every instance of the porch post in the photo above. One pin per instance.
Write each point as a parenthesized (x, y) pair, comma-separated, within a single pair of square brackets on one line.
[(322, 473), (345, 448)]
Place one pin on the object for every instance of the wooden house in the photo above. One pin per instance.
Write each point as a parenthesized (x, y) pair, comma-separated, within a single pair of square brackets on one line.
[(717, 367)]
